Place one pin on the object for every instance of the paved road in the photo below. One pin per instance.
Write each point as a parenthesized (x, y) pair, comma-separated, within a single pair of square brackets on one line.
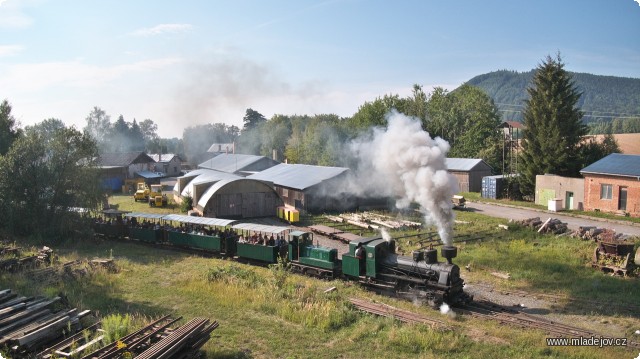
[(573, 222)]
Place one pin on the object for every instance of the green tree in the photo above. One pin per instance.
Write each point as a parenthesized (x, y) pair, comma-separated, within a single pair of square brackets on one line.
[(99, 127), (8, 127), (468, 119), (374, 113), (48, 171), (553, 126), (252, 119)]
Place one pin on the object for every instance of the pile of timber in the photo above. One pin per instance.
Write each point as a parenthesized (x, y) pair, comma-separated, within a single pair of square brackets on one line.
[(551, 225), (369, 220), (592, 233), (15, 264), (29, 323)]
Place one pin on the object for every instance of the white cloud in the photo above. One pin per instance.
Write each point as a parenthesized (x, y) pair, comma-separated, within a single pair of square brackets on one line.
[(36, 77), (10, 50), (163, 29), (638, 1), (12, 15)]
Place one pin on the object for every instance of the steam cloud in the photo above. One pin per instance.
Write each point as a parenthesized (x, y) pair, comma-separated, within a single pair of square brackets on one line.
[(403, 161)]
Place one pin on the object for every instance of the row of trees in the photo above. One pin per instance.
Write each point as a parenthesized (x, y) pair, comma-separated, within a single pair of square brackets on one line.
[(47, 168), (466, 117), (45, 171), (618, 125)]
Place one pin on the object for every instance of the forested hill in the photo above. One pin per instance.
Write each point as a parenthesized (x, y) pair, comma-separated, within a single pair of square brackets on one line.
[(604, 98)]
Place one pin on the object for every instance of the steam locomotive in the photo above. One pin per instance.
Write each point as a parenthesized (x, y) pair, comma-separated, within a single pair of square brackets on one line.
[(372, 262)]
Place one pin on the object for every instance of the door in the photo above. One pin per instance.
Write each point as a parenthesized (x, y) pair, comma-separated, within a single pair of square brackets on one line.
[(569, 200), (622, 199)]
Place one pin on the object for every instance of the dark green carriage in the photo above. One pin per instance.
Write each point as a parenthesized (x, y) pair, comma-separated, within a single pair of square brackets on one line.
[(116, 230), (212, 243), (146, 234), (322, 257), (268, 254)]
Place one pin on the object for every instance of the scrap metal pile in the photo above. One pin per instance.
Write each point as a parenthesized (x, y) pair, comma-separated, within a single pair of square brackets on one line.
[(616, 257)]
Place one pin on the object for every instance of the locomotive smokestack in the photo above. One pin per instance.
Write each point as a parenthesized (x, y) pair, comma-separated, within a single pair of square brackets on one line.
[(449, 252)]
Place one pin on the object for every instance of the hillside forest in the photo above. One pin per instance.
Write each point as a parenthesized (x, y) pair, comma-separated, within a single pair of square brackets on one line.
[(610, 104)]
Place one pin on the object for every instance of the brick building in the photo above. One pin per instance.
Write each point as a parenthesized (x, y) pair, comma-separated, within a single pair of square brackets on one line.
[(613, 185)]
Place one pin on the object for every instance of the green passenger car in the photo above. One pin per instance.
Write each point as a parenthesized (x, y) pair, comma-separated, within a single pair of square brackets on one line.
[(212, 243), (146, 234), (268, 254)]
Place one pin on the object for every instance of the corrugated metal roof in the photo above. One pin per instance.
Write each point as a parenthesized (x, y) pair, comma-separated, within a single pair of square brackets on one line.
[(165, 157), (221, 147), (145, 215), (220, 222), (123, 159), (149, 174), (259, 228), (231, 163), (298, 176), (207, 176), (615, 164), (464, 164)]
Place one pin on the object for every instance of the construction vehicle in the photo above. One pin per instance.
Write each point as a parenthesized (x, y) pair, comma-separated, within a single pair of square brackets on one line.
[(142, 192), (156, 197)]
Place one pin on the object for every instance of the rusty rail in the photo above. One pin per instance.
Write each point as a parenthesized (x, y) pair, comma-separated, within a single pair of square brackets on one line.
[(406, 316), (510, 316)]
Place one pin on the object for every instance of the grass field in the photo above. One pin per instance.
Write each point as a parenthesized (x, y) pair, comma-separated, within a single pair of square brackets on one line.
[(269, 313)]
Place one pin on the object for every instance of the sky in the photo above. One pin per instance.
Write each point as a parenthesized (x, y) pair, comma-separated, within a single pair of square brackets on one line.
[(186, 63)]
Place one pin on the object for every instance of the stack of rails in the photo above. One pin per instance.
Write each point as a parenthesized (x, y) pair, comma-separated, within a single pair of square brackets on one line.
[(325, 230), (333, 233), (29, 323), (346, 237)]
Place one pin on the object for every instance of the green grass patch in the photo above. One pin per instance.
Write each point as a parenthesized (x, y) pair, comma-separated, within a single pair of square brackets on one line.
[(270, 312)]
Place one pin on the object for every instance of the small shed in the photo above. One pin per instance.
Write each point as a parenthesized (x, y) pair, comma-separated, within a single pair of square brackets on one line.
[(469, 172), (612, 184)]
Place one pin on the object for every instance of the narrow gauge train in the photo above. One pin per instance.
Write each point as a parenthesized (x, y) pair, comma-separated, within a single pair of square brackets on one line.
[(420, 276)]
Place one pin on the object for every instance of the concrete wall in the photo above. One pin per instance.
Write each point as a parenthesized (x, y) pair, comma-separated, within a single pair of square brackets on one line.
[(556, 187), (593, 202)]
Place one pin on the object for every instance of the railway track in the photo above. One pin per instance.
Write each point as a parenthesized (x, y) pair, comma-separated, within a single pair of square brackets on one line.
[(406, 316), (627, 308), (510, 316)]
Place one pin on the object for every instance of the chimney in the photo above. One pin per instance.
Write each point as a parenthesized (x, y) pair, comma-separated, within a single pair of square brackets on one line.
[(233, 147), (275, 154)]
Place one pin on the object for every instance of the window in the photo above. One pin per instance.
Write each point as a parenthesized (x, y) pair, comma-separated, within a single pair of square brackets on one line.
[(606, 191), (285, 192)]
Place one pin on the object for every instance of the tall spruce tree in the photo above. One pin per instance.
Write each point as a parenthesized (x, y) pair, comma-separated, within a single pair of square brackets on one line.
[(553, 125)]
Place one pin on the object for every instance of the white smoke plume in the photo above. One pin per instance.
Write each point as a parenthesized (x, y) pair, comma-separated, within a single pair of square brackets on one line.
[(404, 162), (385, 234)]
